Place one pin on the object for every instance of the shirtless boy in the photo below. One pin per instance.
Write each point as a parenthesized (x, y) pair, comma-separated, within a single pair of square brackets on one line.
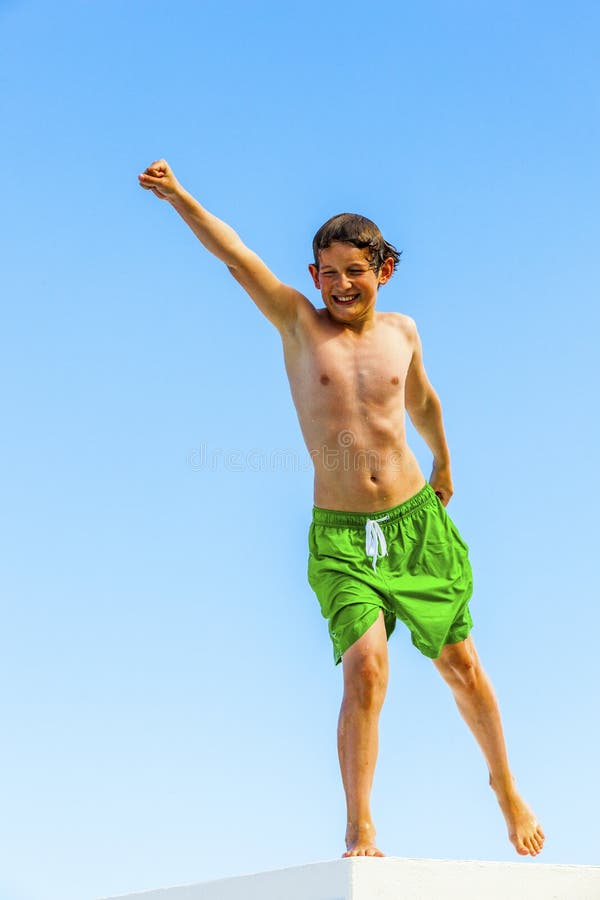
[(382, 546)]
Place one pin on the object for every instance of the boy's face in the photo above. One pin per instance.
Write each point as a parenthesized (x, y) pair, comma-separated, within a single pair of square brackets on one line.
[(347, 282)]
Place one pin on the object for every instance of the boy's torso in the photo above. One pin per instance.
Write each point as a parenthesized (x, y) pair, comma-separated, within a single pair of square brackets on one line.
[(348, 389)]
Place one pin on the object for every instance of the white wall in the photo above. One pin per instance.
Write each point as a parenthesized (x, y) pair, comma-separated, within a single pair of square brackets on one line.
[(392, 878)]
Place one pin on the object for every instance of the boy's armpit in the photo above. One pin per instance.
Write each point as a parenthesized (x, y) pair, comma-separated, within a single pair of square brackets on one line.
[(277, 301)]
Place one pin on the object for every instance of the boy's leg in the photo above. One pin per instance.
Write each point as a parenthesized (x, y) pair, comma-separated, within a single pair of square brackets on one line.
[(461, 668), (365, 666)]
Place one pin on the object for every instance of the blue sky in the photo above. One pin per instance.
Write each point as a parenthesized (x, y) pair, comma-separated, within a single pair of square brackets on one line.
[(168, 697)]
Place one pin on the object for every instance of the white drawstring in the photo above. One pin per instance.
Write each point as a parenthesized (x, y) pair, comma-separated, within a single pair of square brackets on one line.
[(375, 544)]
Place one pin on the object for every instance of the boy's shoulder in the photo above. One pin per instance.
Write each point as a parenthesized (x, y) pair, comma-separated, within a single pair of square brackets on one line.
[(400, 321)]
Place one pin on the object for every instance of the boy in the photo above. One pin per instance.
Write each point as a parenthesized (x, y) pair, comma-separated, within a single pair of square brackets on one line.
[(382, 546)]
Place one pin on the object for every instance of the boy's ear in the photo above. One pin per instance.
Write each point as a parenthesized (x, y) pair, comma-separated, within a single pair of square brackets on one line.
[(315, 275), (386, 271)]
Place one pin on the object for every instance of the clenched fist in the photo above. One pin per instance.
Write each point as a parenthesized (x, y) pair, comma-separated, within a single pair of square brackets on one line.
[(159, 179)]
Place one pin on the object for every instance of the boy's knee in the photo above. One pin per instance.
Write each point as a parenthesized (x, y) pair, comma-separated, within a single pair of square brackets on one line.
[(460, 666), (366, 684)]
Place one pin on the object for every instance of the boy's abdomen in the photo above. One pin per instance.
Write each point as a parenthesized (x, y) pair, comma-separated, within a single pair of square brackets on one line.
[(364, 479)]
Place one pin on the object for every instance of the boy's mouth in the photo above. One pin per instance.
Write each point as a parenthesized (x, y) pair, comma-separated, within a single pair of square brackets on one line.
[(345, 299)]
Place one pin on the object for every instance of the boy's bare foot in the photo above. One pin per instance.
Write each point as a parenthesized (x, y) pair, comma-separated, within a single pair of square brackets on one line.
[(360, 841), (524, 830)]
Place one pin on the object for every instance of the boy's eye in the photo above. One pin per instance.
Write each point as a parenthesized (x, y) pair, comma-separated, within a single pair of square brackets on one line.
[(353, 272)]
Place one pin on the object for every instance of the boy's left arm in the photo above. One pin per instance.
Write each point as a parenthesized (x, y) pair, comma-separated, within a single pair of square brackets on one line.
[(425, 411)]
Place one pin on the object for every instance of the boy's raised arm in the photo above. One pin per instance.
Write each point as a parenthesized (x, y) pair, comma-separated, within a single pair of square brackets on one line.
[(277, 301)]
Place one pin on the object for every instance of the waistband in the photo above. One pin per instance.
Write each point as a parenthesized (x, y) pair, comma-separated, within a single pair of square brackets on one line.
[(342, 519)]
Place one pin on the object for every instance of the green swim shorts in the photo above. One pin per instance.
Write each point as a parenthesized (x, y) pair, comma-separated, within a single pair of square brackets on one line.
[(409, 561)]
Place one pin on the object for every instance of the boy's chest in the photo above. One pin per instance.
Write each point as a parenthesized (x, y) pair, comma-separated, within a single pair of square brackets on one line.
[(340, 369)]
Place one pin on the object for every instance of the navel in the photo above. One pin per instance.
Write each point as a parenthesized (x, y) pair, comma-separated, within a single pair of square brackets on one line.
[(324, 379), (395, 380), (374, 479)]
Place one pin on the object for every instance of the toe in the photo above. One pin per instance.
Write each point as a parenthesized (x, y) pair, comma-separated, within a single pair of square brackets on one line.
[(540, 843)]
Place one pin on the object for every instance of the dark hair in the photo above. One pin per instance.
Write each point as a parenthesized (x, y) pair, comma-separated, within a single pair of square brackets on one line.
[(350, 228)]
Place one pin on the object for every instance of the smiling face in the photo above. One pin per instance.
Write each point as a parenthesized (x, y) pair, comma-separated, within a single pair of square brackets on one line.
[(348, 283)]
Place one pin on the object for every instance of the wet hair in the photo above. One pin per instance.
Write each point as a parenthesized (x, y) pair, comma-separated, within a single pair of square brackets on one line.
[(350, 228)]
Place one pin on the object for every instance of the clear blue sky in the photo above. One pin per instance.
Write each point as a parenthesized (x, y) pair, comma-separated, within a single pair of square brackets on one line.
[(168, 695)]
